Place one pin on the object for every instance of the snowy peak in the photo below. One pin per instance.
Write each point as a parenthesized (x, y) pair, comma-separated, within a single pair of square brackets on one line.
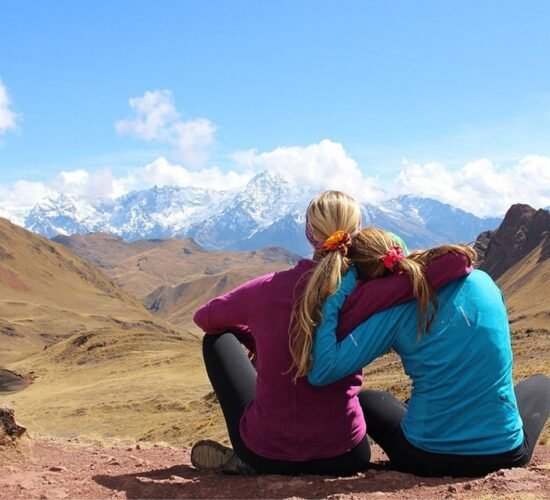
[(160, 212), (61, 214)]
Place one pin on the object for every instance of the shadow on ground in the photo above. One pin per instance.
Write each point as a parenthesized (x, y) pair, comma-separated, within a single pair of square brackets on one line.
[(183, 481)]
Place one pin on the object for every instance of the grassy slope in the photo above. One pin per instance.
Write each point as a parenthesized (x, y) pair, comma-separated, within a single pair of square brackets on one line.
[(526, 286), (103, 365)]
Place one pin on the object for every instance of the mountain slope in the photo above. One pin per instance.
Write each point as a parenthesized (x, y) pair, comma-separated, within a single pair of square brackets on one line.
[(174, 277), (521, 231), (525, 286), (424, 223), (47, 293), (100, 363), (517, 256)]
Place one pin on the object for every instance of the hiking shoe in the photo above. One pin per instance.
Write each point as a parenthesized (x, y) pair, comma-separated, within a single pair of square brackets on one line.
[(210, 456)]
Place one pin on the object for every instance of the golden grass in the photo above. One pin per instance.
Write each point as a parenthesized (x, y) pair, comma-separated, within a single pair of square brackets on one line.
[(127, 385)]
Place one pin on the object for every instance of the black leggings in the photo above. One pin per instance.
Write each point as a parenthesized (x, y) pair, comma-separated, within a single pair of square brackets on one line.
[(234, 381), (383, 414)]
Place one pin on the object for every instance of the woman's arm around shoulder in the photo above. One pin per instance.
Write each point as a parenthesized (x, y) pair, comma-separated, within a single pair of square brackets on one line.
[(333, 360), (379, 294)]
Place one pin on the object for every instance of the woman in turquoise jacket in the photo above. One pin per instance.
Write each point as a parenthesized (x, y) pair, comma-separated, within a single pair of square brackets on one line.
[(464, 416)]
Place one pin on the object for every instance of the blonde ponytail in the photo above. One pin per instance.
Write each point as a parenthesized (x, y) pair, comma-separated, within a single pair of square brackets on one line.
[(331, 218)]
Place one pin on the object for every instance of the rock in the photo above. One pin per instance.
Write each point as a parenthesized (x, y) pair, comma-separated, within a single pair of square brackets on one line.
[(8, 425), (522, 229), (515, 474), (26, 484), (57, 493), (58, 468), (275, 486), (481, 244)]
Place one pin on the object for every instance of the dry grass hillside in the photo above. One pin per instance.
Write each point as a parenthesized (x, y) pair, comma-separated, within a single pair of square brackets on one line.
[(47, 293), (526, 286), (174, 277), (99, 362)]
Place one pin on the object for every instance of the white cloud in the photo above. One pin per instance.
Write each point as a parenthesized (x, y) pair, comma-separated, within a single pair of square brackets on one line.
[(325, 165), (479, 186), (18, 198), (162, 173), (90, 186), (156, 119), (8, 118)]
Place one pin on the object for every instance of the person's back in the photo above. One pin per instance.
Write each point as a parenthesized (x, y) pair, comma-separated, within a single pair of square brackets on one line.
[(288, 419), (277, 421), (464, 416), (462, 399)]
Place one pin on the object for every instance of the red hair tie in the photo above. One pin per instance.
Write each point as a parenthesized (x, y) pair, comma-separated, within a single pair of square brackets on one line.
[(339, 240), (393, 255)]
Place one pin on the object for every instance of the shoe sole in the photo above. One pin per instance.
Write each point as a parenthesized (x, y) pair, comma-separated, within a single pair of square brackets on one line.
[(209, 456)]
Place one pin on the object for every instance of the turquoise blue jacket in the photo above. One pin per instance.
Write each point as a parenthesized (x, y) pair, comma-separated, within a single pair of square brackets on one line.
[(462, 399)]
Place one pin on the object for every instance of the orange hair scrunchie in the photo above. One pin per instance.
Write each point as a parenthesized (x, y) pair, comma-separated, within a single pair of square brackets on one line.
[(339, 240)]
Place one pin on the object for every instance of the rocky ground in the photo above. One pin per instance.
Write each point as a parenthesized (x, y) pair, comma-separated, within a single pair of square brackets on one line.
[(46, 468)]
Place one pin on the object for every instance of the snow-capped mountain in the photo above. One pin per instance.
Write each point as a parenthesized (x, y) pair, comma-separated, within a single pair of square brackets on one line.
[(161, 212), (268, 211), (62, 214), (266, 199), (423, 222)]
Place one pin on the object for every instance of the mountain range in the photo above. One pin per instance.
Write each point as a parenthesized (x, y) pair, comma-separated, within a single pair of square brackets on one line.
[(268, 211)]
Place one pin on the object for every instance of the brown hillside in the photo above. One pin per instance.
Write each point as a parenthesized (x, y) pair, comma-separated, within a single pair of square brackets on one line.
[(47, 293), (174, 277), (521, 231), (177, 304), (99, 363), (517, 256), (526, 285)]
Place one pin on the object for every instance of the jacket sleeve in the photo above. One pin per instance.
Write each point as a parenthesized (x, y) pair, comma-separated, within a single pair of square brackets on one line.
[(230, 313), (376, 295), (333, 360)]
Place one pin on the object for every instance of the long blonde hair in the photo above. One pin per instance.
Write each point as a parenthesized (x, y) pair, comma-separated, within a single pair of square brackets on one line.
[(327, 213), (371, 245)]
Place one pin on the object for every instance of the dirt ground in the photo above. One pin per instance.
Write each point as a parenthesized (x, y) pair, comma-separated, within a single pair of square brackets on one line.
[(46, 468)]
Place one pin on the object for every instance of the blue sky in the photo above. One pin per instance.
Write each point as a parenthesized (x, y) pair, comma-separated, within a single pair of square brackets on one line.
[(410, 90)]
